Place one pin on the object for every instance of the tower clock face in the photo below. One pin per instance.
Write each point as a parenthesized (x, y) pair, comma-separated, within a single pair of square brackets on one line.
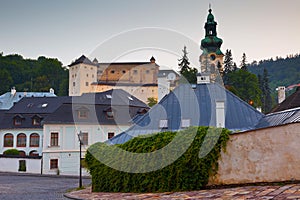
[(212, 56)]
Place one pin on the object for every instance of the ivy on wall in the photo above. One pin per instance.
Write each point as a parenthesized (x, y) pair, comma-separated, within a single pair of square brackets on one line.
[(189, 172)]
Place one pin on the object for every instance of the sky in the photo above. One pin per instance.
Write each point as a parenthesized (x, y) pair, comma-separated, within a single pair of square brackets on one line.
[(135, 30)]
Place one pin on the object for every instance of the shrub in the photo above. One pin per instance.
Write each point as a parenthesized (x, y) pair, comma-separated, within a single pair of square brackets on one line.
[(11, 152), (189, 172)]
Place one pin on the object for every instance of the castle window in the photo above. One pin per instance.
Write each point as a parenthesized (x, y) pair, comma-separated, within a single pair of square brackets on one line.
[(147, 71), (73, 84), (112, 71), (135, 71), (87, 75), (110, 135), (92, 75), (123, 71), (86, 83)]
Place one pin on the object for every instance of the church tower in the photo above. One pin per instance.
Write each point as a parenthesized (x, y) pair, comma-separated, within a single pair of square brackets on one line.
[(211, 58)]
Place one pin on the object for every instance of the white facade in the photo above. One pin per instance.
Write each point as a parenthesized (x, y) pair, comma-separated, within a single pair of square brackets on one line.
[(28, 148), (12, 165), (66, 152)]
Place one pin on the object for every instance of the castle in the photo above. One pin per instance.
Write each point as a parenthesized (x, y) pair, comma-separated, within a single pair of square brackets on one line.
[(143, 79)]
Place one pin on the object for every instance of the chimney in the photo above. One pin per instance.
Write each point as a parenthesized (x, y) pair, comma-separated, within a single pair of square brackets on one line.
[(13, 91), (51, 91), (203, 78), (220, 114), (281, 93)]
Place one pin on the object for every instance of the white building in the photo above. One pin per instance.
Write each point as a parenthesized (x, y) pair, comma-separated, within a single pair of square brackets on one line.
[(99, 116)]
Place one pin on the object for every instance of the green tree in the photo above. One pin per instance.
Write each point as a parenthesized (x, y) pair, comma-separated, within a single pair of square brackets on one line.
[(246, 86), (6, 81), (244, 62), (266, 98), (228, 62), (190, 74), (151, 101)]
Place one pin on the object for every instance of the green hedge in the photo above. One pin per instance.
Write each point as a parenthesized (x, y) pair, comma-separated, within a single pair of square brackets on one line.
[(11, 152), (188, 172)]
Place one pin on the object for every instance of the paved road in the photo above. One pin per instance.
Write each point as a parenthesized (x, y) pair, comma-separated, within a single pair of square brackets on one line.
[(19, 187)]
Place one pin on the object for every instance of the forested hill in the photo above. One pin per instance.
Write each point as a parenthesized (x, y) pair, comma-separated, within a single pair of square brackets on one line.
[(32, 75), (281, 71)]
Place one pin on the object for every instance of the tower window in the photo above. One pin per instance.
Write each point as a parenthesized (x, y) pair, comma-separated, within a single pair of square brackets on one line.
[(86, 83), (112, 71), (73, 84)]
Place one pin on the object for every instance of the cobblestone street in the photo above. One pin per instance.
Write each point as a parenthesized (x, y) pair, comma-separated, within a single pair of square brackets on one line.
[(290, 191), (35, 187)]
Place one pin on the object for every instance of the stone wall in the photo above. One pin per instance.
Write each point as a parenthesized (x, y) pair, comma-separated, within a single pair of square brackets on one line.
[(265, 155)]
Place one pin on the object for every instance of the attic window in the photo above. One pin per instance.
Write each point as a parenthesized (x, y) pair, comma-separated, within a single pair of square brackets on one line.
[(130, 98), (109, 113), (185, 123), (108, 96), (36, 121), (18, 120), (163, 123), (82, 114)]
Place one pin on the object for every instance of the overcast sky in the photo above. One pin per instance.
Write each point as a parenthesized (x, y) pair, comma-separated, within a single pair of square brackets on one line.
[(134, 30)]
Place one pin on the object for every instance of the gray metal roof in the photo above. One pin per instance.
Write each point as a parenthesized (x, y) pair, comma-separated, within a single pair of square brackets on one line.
[(198, 104), (7, 99), (280, 118)]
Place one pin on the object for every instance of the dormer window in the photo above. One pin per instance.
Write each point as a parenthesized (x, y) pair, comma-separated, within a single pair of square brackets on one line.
[(18, 120), (109, 113), (36, 120), (83, 113)]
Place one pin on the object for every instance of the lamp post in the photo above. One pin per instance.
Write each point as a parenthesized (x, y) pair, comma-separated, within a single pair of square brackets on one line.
[(80, 138)]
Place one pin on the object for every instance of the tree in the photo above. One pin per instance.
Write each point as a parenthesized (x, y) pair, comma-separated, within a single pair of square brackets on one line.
[(244, 62), (266, 98), (190, 74), (228, 62), (6, 81), (246, 86), (151, 101)]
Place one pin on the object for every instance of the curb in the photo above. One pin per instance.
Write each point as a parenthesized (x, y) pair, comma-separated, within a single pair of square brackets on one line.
[(41, 175), (71, 197)]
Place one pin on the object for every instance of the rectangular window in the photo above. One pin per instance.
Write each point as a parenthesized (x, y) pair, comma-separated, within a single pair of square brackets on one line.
[(185, 123), (73, 84), (17, 121), (163, 123), (53, 163), (36, 121), (82, 114), (54, 139), (86, 83), (135, 71), (110, 135), (85, 139)]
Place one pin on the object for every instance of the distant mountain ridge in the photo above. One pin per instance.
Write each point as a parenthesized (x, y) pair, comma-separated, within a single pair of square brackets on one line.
[(281, 71)]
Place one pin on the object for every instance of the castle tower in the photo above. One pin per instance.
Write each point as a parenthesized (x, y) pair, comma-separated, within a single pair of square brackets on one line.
[(82, 73), (211, 58)]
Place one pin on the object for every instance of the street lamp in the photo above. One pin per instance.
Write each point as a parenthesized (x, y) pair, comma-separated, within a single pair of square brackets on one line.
[(80, 138)]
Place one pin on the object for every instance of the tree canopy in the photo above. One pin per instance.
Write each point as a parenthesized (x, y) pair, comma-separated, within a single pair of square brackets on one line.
[(32, 75), (190, 74)]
